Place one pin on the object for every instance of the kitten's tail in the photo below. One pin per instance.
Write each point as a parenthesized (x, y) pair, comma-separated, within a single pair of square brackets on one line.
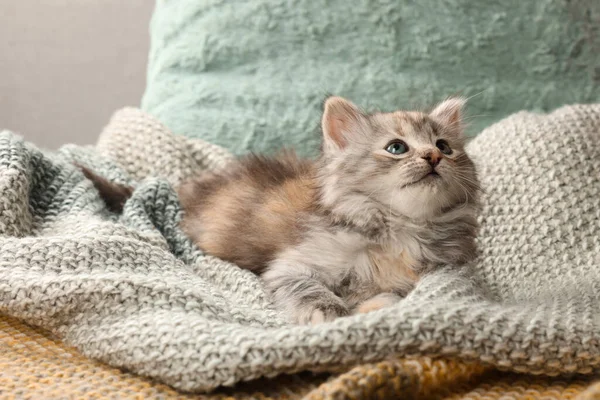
[(113, 194)]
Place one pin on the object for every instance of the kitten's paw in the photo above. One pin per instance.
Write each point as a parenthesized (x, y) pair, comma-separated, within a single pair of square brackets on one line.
[(377, 226), (378, 302), (318, 313)]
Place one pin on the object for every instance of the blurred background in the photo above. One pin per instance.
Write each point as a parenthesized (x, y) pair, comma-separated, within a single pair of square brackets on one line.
[(250, 75), (66, 65)]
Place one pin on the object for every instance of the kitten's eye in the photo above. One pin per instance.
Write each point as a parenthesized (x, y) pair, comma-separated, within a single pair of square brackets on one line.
[(443, 146), (396, 147)]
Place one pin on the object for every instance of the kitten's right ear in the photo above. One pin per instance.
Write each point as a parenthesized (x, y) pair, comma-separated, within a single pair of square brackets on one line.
[(341, 119), (449, 114)]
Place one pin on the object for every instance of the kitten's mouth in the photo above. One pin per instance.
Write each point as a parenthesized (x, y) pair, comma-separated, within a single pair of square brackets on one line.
[(430, 177)]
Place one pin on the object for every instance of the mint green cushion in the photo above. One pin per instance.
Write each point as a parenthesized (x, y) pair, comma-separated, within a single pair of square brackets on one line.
[(251, 75)]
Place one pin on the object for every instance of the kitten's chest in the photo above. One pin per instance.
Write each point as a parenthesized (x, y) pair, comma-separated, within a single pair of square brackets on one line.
[(392, 269)]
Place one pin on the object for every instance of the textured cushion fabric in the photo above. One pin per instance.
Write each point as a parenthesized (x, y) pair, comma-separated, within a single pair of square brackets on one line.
[(134, 292), (250, 75)]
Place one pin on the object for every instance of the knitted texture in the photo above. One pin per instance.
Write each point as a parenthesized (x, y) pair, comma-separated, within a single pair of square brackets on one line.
[(134, 292), (424, 378), (250, 75), (36, 365)]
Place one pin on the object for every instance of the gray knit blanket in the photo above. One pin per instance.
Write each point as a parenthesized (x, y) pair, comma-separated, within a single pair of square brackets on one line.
[(134, 292)]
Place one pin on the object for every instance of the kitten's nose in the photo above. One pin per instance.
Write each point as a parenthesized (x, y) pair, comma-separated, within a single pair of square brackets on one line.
[(432, 157)]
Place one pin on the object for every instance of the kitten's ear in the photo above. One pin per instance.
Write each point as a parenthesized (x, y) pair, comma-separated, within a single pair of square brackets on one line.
[(341, 119), (449, 114)]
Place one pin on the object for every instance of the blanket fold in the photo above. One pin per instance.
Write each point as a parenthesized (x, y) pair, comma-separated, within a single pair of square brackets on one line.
[(134, 292)]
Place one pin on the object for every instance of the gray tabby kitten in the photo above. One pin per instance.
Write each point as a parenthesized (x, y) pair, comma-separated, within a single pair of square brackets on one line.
[(392, 196)]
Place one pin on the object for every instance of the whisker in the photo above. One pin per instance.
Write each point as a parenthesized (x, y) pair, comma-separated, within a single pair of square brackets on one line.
[(477, 94)]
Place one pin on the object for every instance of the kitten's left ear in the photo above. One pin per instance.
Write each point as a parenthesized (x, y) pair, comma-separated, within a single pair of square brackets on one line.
[(449, 114)]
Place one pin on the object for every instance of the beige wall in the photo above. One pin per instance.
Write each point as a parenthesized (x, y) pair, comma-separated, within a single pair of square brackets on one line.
[(65, 65)]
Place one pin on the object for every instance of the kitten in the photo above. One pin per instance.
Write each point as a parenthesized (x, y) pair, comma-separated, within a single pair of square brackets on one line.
[(392, 196)]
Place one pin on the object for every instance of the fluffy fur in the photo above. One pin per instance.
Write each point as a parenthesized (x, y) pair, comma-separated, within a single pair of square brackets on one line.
[(352, 231)]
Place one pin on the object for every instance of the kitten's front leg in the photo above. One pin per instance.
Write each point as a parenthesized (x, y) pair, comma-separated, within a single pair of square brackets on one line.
[(364, 216), (298, 291)]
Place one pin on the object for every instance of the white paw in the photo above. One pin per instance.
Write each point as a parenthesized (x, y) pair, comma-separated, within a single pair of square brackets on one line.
[(318, 314), (378, 302), (317, 317)]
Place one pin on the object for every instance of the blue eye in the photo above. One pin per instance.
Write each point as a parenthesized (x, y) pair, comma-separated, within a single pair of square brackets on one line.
[(396, 147)]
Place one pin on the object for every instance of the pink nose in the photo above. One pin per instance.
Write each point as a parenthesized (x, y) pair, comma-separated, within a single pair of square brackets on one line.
[(432, 157)]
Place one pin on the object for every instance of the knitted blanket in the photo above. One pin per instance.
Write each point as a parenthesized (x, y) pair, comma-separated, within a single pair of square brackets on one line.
[(133, 291)]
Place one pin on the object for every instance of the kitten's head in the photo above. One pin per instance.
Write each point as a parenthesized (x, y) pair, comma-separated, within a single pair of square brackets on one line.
[(412, 163)]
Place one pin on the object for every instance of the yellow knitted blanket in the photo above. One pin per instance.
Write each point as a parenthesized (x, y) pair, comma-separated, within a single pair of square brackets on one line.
[(35, 365)]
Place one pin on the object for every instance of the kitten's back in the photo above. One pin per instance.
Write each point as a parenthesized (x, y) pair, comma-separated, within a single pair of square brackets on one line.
[(250, 211)]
